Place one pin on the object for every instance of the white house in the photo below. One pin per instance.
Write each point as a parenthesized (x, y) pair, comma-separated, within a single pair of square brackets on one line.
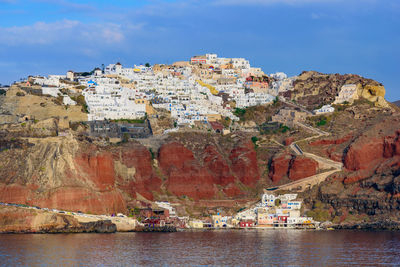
[(324, 109), (70, 75)]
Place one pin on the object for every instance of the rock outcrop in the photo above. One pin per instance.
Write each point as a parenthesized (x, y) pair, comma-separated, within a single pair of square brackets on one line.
[(313, 89), (22, 220), (244, 163), (302, 167), (186, 177), (64, 173), (294, 167)]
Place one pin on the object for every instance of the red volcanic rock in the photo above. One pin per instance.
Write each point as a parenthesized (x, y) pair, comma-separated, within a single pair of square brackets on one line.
[(185, 176), (289, 141), (302, 167), (364, 153), (389, 148), (146, 181), (192, 182), (244, 163), (391, 145), (14, 193), (334, 155), (232, 191), (332, 141), (214, 162), (83, 199), (99, 168), (357, 176), (174, 155), (280, 167)]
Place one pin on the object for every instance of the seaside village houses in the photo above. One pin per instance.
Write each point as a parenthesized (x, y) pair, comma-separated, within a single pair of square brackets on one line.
[(275, 211), (119, 100), (282, 211)]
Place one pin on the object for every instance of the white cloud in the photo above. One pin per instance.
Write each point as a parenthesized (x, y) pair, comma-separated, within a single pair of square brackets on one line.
[(65, 31)]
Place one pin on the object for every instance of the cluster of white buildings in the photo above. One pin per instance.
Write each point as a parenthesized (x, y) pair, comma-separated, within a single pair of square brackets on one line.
[(275, 211), (206, 87)]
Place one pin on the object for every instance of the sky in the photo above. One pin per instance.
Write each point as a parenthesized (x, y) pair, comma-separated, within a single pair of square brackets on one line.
[(330, 36)]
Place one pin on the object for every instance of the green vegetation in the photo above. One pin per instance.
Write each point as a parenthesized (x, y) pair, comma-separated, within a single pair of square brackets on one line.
[(226, 122), (239, 112), (319, 121), (131, 120), (362, 101), (319, 215), (147, 65), (273, 128), (322, 121), (80, 100), (254, 139), (152, 154), (276, 101), (319, 212), (283, 128)]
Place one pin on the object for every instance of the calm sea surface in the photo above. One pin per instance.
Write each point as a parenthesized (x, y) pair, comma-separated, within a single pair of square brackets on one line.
[(238, 248)]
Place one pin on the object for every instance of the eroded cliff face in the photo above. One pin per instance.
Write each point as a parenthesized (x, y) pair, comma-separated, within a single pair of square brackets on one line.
[(203, 178), (64, 173), (285, 165), (369, 183)]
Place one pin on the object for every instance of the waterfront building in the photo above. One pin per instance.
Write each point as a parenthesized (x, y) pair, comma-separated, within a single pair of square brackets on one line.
[(196, 224), (275, 211)]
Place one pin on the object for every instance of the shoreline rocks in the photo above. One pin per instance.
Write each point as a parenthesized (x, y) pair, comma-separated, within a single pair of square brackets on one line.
[(23, 220), (379, 225)]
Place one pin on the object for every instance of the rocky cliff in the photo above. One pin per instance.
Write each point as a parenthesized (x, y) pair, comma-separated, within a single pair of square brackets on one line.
[(71, 174), (204, 172), (313, 89), (22, 220)]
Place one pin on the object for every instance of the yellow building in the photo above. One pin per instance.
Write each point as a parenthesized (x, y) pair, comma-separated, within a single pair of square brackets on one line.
[(149, 108), (214, 117), (217, 221), (196, 224)]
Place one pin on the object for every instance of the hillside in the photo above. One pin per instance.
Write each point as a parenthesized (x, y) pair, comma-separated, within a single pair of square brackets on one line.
[(203, 171)]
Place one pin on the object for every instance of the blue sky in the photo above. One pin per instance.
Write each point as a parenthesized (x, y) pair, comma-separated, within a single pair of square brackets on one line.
[(331, 36)]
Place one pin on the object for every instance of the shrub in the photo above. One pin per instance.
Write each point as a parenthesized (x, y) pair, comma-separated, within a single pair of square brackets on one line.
[(80, 100), (152, 153), (239, 112), (322, 122), (254, 139), (284, 129)]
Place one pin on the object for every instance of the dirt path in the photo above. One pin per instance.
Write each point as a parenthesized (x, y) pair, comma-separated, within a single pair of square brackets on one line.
[(323, 163)]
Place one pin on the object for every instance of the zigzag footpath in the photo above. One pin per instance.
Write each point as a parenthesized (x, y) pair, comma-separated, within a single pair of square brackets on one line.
[(324, 163)]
